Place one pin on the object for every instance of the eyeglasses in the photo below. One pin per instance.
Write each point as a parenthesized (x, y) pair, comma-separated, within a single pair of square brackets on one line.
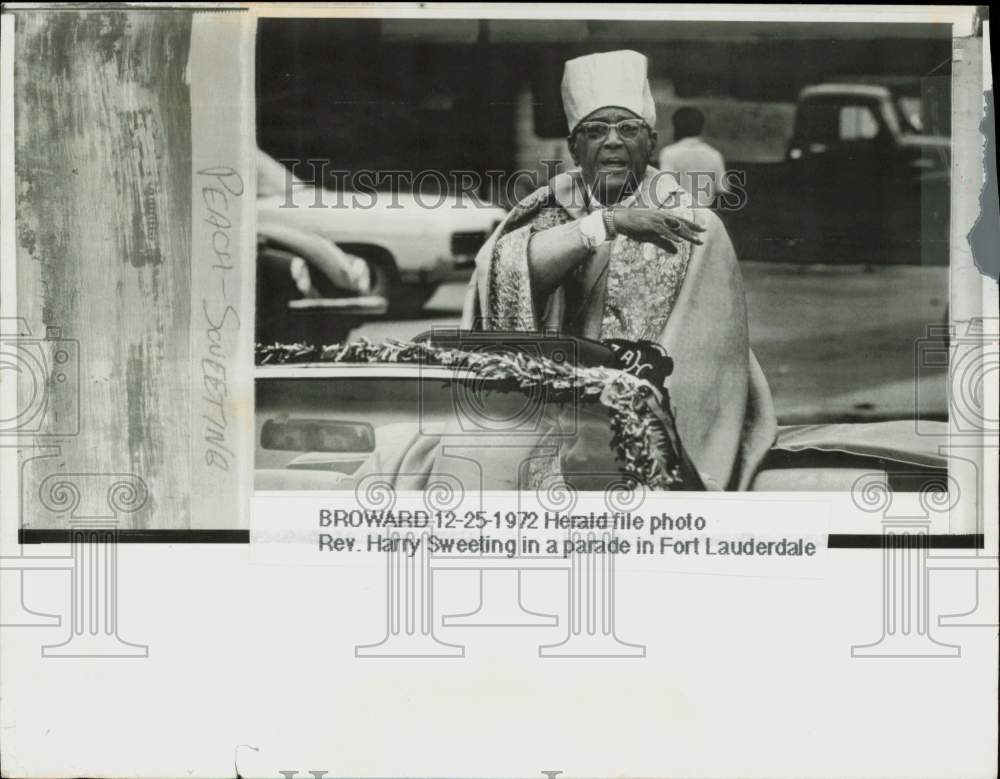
[(627, 129)]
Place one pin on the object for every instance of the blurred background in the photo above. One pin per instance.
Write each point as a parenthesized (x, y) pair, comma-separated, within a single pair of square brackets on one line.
[(839, 131)]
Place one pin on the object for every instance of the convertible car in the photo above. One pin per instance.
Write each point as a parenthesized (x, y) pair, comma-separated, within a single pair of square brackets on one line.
[(523, 413)]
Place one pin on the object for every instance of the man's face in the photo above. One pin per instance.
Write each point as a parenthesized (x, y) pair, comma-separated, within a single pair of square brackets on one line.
[(609, 163)]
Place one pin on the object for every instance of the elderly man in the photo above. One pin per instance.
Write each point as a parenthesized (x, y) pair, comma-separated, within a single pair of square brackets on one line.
[(613, 249)]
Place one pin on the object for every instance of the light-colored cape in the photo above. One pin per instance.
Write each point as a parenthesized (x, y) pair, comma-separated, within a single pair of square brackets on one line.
[(721, 400)]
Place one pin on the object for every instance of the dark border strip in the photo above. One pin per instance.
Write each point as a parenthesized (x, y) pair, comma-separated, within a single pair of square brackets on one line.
[(179, 536), (834, 541), (911, 541)]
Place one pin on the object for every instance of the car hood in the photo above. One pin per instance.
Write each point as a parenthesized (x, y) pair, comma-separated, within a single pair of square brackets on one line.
[(896, 441), (323, 254)]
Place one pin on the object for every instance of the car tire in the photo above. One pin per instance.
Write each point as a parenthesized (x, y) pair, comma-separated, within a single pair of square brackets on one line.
[(276, 288), (382, 274), (404, 300)]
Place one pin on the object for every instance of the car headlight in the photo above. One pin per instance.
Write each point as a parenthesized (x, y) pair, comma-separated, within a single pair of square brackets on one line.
[(300, 275), (360, 274)]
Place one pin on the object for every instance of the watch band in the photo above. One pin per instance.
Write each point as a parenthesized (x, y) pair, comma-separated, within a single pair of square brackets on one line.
[(609, 222)]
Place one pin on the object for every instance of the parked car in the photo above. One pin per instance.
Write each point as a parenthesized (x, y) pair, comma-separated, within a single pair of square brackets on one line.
[(860, 181), (308, 289), (411, 245)]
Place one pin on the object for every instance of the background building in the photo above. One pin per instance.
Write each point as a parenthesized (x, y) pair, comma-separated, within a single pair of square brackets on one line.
[(484, 94)]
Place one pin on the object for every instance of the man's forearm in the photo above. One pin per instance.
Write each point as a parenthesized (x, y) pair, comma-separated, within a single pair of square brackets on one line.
[(553, 254)]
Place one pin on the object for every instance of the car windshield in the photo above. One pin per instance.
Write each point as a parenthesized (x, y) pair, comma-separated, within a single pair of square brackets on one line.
[(428, 422)]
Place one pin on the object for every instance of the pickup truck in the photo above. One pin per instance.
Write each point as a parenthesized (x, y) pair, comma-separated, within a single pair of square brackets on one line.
[(860, 183)]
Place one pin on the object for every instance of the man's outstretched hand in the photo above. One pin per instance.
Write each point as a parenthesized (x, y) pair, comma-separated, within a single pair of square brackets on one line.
[(651, 225)]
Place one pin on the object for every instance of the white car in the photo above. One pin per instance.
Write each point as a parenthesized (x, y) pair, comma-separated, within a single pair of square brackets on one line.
[(412, 244)]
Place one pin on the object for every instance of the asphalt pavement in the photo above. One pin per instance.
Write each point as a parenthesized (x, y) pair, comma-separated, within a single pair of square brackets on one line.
[(836, 342)]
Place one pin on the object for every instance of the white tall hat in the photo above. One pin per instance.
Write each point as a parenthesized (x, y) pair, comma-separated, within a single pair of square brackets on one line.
[(614, 78)]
